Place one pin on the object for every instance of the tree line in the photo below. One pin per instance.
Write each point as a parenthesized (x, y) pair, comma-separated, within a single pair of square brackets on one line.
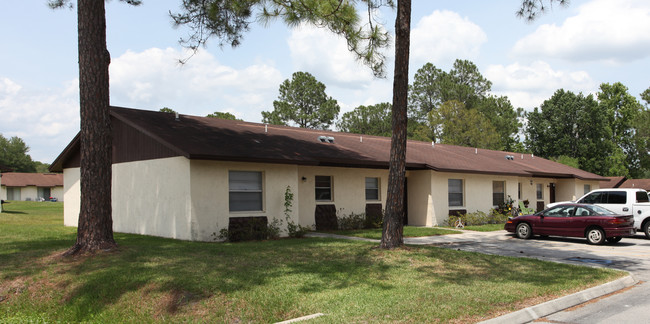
[(607, 134), (14, 157)]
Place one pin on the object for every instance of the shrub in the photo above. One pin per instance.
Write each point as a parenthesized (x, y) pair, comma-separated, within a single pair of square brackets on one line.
[(273, 229), (479, 218), (293, 230), (374, 220), (352, 221)]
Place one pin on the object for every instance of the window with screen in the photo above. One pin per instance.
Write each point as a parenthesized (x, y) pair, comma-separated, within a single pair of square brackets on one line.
[(455, 192), (498, 192), (372, 188), (245, 191), (323, 188)]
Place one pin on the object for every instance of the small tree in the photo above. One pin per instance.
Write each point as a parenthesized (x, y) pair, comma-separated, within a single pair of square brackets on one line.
[(303, 101), (167, 110), (223, 115)]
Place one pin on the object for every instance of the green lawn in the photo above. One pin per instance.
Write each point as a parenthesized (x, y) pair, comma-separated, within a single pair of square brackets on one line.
[(162, 280), (485, 228), (409, 231)]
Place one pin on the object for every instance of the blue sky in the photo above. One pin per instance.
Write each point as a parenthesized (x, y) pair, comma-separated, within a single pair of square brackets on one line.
[(575, 48)]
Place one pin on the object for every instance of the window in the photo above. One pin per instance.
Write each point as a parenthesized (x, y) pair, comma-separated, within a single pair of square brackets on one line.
[(617, 197), (323, 188), (540, 191), (641, 196), (519, 191), (595, 198), (581, 211), (498, 192), (43, 193), (13, 193), (372, 188), (587, 189), (245, 190), (455, 192)]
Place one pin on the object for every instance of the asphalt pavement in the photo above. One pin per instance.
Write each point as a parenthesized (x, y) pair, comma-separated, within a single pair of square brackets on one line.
[(623, 301)]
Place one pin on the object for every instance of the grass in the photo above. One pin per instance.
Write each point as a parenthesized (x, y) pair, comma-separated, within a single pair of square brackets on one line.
[(409, 231), (485, 228), (154, 279)]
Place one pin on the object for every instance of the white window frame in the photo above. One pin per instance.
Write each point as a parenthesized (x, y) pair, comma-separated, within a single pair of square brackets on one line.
[(330, 188), (249, 190), (494, 193), (462, 193), (539, 191), (373, 189)]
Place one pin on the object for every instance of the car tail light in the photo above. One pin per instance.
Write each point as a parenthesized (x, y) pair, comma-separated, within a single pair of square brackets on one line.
[(620, 220)]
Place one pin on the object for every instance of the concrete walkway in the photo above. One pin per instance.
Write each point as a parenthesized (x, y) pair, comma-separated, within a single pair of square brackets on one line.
[(503, 243)]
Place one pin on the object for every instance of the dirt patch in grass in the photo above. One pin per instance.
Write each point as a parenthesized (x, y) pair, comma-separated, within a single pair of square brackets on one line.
[(11, 288)]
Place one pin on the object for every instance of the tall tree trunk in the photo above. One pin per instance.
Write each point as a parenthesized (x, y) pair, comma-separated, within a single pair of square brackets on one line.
[(392, 233), (95, 228)]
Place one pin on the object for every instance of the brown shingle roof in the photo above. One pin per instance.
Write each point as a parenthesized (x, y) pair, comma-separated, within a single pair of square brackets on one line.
[(612, 182), (636, 183), (32, 179), (228, 140)]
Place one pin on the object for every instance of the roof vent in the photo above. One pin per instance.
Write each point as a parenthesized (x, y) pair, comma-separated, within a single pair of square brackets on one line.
[(177, 118), (510, 157), (323, 139), (330, 139)]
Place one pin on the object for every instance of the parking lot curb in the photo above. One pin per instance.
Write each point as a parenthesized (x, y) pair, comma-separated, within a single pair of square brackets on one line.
[(532, 313)]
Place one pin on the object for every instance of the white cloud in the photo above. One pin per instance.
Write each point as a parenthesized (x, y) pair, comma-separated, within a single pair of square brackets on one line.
[(527, 86), (153, 79), (326, 56), (445, 36), (46, 119), (604, 30)]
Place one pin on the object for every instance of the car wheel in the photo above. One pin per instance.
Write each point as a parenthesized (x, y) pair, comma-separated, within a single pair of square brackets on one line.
[(615, 239), (646, 229), (524, 231), (595, 236)]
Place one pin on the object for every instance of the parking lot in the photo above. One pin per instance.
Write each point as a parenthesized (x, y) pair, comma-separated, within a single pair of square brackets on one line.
[(631, 254)]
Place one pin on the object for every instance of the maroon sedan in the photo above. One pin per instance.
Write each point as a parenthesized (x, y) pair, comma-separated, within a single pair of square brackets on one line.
[(595, 223)]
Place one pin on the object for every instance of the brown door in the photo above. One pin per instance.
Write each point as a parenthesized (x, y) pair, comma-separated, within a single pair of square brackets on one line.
[(551, 193)]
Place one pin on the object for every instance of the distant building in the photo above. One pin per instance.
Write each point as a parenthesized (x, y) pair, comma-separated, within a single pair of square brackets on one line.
[(31, 186), (623, 182)]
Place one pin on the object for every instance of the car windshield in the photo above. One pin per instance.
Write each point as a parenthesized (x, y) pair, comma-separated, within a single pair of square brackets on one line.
[(601, 211)]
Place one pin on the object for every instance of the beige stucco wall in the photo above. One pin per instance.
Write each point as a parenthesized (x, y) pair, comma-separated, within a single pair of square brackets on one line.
[(209, 188), (477, 192), (428, 193), (153, 197), (143, 201), (348, 190), (420, 198), (57, 192), (72, 196), (572, 189)]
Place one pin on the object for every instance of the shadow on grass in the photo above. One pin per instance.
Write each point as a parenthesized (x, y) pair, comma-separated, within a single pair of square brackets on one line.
[(4, 211), (194, 270)]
